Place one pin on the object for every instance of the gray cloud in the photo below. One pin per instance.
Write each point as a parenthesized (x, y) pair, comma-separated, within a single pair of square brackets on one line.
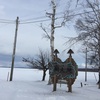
[(29, 38)]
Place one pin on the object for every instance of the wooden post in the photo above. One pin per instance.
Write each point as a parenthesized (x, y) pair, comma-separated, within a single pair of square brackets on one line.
[(86, 67), (69, 85), (56, 52), (14, 49), (8, 76), (54, 84), (55, 76), (70, 79), (81, 84)]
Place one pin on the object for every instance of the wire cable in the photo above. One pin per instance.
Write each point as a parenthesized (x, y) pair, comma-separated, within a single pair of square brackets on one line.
[(37, 21), (29, 22)]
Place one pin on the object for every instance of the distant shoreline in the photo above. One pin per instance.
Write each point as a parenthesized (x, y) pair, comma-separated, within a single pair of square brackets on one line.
[(16, 67)]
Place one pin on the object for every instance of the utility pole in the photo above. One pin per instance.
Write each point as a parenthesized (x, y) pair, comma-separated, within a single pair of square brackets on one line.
[(14, 49), (86, 67), (52, 15)]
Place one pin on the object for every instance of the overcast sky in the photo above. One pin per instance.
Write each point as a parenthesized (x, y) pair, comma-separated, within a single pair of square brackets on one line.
[(30, 35)]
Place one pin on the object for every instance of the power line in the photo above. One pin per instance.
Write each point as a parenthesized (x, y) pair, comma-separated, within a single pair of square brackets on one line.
[(33, 18), (39, 19), (36, 18), (29, 22), (7, 22)]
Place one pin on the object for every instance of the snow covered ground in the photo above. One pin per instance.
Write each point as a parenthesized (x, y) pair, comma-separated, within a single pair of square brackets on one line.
[(27, 85)]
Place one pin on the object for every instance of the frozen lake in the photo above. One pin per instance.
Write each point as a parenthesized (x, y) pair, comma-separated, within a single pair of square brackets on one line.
[(21, 74), (27, 85)]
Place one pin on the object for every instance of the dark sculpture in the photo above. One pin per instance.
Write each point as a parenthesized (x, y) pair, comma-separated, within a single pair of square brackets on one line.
[(66, 70)]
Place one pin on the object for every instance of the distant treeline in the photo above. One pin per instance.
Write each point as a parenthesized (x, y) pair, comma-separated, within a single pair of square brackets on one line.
[(88, 69)]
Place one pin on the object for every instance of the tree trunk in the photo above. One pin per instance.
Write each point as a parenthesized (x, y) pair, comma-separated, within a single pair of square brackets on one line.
[(52, 32), (55, 83), (99, 60), (44, 74), (52, 29)]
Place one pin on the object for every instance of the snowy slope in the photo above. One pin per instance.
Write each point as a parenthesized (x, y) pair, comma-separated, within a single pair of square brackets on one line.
[(27, 85)]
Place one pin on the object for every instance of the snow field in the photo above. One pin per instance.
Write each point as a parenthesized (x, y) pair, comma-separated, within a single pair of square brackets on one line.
[(27, 85)]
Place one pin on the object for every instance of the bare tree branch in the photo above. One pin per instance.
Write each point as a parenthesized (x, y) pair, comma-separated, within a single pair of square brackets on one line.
[(88, 28), (46, 35)]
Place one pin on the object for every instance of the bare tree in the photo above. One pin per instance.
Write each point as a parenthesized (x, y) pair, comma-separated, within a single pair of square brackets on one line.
[(40, 62), (54, 18), (88, 28), (65, 18)]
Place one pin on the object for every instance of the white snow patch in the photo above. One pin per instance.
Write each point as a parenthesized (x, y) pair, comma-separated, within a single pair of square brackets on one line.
[(27, 85)]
